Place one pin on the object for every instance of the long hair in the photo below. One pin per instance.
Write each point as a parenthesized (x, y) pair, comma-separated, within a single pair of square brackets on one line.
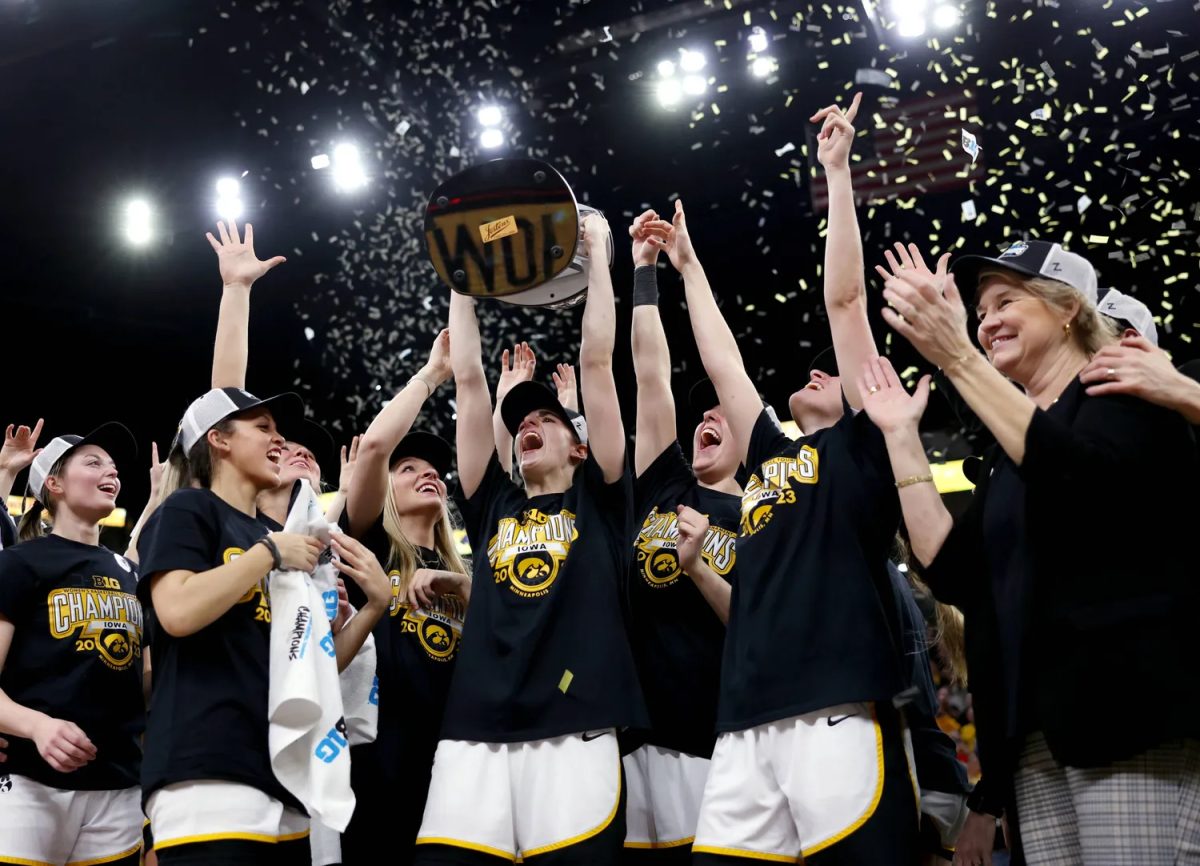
[(31, 525), (403, 557), (948, 640), (1090, 330)]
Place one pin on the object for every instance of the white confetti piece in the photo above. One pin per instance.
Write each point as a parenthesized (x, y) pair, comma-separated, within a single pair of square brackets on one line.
[(970, 145), (787, 148), (968, 210), (1083, 203), (872, 76)]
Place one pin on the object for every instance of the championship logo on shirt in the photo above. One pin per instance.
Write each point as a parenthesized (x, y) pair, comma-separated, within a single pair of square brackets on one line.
[(104, 618), (258, 594), (529, 553), (658, 560), (772, 486), (438, 628)]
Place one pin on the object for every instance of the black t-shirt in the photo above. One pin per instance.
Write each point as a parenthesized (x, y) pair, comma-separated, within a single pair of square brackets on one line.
[(676, 636), (546, 652), (208, 711), (809, 627), (76, 655), (8, 529), (415, 653)]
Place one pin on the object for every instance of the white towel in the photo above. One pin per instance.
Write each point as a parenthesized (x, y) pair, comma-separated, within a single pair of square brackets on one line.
[(307, 734)]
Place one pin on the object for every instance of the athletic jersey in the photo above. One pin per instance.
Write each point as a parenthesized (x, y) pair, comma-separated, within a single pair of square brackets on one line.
[(415, 650), (208, 711), (546, 653), (808, 625), (76, 654), (676, 636)]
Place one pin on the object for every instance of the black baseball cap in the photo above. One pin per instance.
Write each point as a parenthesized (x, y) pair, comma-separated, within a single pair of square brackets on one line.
[(316, 439), (527, 397), (112, 436), (430, 447), (702, 396), (221, 403), (825, 361), (1032, 259)]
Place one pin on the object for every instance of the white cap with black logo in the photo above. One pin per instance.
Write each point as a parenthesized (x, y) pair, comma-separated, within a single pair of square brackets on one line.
[(222, 403), (1033, 259), (1128, 309)]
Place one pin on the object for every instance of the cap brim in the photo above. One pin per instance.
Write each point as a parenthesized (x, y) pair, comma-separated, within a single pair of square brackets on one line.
[(529, 397), (825, 361), (965, 271), (287, 409), (316, 439), (702, 396), (430, 447), (117, 440)]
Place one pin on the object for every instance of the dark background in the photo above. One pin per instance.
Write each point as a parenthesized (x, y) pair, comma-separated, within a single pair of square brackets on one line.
[(99, 101)]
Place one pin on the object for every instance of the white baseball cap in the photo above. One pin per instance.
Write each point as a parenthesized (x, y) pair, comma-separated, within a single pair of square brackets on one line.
[(1034, 259), (1128, 309), (113, 437), (221, 403)]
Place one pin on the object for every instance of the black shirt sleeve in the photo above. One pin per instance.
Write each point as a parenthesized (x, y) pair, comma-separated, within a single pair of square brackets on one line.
[(17, 588), (183, 534), (766, 441), (960, 561), (8, 529), (668, 467)]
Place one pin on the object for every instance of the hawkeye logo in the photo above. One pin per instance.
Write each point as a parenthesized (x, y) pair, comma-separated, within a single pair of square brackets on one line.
[(437, 628), (775, 487), (258, 594), (528, 554), (658, 559), (107, 619)]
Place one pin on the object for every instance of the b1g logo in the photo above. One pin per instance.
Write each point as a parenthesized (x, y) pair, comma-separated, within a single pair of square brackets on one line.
[(529, 553), (658, 558), (772, 486), (333, 742), (104, 619)]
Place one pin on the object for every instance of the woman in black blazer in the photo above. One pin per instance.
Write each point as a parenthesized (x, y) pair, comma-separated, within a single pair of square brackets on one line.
[(1073, 565)]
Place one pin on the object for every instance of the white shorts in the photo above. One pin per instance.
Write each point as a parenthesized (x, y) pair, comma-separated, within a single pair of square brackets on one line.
[(43, 825), (797, 786), (663, 790), (208, 810), (517, 800)]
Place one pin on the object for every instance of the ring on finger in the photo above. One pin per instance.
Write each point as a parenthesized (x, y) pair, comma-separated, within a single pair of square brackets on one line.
[(872, 389), (1112, 374)]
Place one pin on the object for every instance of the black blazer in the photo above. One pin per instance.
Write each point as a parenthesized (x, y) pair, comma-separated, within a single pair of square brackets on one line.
[(1110, 615)]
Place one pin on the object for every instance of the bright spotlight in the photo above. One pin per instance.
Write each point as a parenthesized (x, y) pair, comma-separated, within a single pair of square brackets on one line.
[(669, 92), (946, 16), (491, 138), (758, 40), (762, 67), (908, 8), (228, 187), (691, 61), (911, 27), (489, 115), (694, 85), (666, 68), (320, 161), (138, 218), (229, 209), (348, 171)]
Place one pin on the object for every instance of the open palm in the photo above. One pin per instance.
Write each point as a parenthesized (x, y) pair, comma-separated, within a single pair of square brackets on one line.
[(889, 406), (236, 258)]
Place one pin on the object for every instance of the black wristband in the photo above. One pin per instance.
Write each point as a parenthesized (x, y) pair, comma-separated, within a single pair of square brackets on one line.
[(273, 548), (645, 286), (981, 801)]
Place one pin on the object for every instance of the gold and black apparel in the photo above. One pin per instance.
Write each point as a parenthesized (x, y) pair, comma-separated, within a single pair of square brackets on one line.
[(208, 711), (812, 623), (546, 652), (76, 654), (676, 636)]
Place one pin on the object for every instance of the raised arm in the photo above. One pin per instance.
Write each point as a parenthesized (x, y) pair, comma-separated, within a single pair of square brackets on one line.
[(349, 461), (475, 439), (240, 267), (364, 501), (606, 432), (18, 451), (152, 502), (514, 368), (719, 351), (845, 283), (651, 354)]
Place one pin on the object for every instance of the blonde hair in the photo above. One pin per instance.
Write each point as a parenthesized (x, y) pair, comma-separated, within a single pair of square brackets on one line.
[(31, 525), (1090, 331), (949, 630), (403, 557)]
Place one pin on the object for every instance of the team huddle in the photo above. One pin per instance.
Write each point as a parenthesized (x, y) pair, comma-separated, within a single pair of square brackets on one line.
[(659, 649)]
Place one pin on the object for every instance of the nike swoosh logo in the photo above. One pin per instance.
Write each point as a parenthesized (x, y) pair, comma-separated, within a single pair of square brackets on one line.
[(837, 720), (588, 736)]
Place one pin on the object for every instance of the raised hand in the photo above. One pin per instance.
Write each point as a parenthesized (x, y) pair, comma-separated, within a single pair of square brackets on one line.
[(438, 365), (649, 234), (156, 471), (355, 561), (515, 367), (20, 447), (565, 385), (236, 258), (837, 134), (889, 406), (910, 259), (348, 460), (925, 307), (693, 526), (595, 236), (678, 243), (62, 744)]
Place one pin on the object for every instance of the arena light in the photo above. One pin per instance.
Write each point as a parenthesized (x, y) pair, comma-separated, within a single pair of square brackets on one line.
[(489, 115), (911, 27), (491, 138), (669, 92), (946, 16), (320, 161), (758, 40), (348, 172), (139, 222), (229, 199), (694, 85), (763, 66), (691, 61), (666, 68)]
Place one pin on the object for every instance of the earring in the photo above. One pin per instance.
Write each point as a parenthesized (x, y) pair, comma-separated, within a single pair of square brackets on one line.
[(1067, 330)]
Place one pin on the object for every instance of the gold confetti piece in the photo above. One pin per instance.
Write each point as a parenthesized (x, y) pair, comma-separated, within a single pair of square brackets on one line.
[(1097, 239), (565, 682)]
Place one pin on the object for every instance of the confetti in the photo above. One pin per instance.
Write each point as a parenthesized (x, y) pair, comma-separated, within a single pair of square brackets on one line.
[(970, 145), (968, 210)]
